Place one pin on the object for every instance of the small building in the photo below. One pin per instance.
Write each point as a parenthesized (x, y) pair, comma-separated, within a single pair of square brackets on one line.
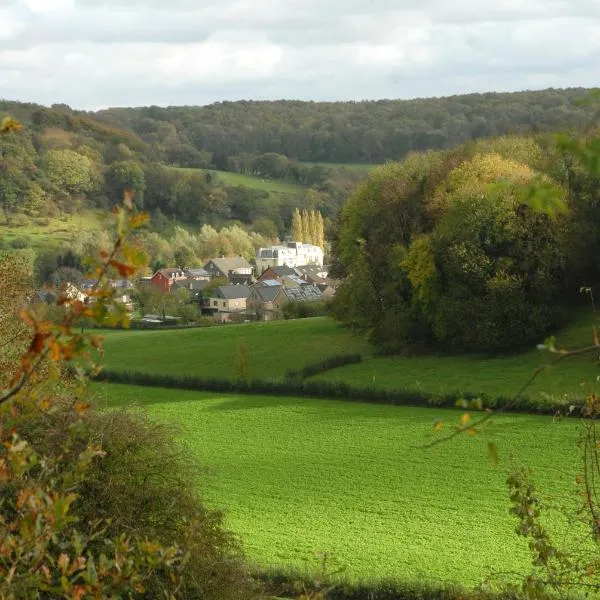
[(197, 274), (194, 286), (306, 293), (163, 279), (228, 266), (313, 273), (277, 273), (229, 298), (261, 301)]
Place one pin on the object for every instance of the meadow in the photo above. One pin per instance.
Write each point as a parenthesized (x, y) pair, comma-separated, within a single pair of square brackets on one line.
[(302, 477), (277, 346), (53, 232), (274, 187), (272, 348)]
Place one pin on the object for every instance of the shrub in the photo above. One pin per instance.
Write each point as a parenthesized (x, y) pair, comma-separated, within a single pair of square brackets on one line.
[(144, 485), (19, 243), (332, 362)]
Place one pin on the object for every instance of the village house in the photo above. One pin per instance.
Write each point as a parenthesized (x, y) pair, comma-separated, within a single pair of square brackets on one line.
[(163, 279), (228, 267), (197, 274), (261, 300), (229, 298), (306, 293), (277, 273), (293, 254)]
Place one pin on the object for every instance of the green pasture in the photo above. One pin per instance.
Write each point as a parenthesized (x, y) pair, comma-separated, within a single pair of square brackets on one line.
[(301, 477), (53, 232), (270, 348), (274, 187), (362, 168), (504, 375), (274, 347)]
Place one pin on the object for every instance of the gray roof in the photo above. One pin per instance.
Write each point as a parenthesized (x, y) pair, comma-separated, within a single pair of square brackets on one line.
[(191, 284), (282, 270), (305, 293), (231, 292), (229, 263), (197, 272), (267, 293)]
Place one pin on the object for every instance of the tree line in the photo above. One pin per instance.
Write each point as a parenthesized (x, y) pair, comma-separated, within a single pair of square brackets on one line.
[(237, 133)]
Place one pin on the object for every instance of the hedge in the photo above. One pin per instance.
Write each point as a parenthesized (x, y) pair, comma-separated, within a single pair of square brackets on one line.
[(332, 362), (338, 391)]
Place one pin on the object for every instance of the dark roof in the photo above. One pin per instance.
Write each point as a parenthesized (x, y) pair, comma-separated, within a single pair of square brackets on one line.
[(237, 278), (191, 284), (282, 270), (267, 293), (305, 293), (231, 292), (169, 271)]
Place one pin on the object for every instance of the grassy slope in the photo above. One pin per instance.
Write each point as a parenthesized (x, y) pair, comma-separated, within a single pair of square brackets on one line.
[(300, 476), (273, 187), (210, 352), (56, 232), (497, 376), (280, 345)]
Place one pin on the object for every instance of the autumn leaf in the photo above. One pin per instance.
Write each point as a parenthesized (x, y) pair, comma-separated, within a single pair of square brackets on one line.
[(123, 269)]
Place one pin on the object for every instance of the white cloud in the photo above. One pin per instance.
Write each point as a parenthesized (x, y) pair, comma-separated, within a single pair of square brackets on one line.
[(92, 53)]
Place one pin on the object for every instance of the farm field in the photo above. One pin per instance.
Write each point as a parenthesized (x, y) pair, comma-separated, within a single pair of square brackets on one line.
[(273, 348), (280, 345), (298, 477), (54, 232), (495, 376)]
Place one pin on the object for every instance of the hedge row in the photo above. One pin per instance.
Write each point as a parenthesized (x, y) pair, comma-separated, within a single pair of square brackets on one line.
[(283, 585), (336, 390), (333, 362)]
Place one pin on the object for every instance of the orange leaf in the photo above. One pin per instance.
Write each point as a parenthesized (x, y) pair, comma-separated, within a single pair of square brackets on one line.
[(124, 270), (38, 342)]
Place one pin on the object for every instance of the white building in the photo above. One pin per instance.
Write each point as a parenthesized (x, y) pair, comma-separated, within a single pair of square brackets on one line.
[(293, 254)]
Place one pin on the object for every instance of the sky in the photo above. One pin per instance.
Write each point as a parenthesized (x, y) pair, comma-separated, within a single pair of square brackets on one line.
[(93, 54)]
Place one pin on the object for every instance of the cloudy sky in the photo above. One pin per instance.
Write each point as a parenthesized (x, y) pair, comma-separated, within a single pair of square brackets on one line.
[(97, 53)]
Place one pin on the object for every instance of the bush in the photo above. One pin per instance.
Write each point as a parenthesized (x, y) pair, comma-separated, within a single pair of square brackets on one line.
[(332, 362), (145, 485), (19, 243)]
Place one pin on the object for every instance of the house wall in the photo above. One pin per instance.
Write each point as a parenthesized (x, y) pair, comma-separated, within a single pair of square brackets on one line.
[(161, 282), (222, 305)]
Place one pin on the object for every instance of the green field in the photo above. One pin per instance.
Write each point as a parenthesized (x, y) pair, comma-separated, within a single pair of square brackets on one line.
[(277, 346), (44, 233), (273, 347), (275, 188), (357, 167), (300, 477), (498, 376)]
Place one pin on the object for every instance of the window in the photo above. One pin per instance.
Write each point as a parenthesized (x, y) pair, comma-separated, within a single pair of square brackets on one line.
[(215, 303)]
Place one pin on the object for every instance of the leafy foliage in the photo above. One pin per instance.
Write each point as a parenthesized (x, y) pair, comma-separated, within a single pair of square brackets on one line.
[(466, 249)]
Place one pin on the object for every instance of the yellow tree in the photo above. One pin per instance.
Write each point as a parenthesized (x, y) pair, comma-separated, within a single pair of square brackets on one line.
[(306, 237), (297, 232)]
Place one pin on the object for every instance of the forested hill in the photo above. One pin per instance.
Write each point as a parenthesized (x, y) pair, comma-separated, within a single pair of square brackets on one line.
[(346, 132)]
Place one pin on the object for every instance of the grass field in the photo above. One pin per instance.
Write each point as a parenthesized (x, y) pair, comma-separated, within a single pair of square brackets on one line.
[(357, 167), (54, 232), (299, 477), (273, 348), (275, 188), (277, 346), (498, 376)]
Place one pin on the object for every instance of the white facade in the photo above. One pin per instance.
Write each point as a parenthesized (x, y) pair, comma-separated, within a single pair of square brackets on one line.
[(294, 254)]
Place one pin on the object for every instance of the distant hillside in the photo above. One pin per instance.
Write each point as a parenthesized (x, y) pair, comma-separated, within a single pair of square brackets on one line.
[(346, 132)]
